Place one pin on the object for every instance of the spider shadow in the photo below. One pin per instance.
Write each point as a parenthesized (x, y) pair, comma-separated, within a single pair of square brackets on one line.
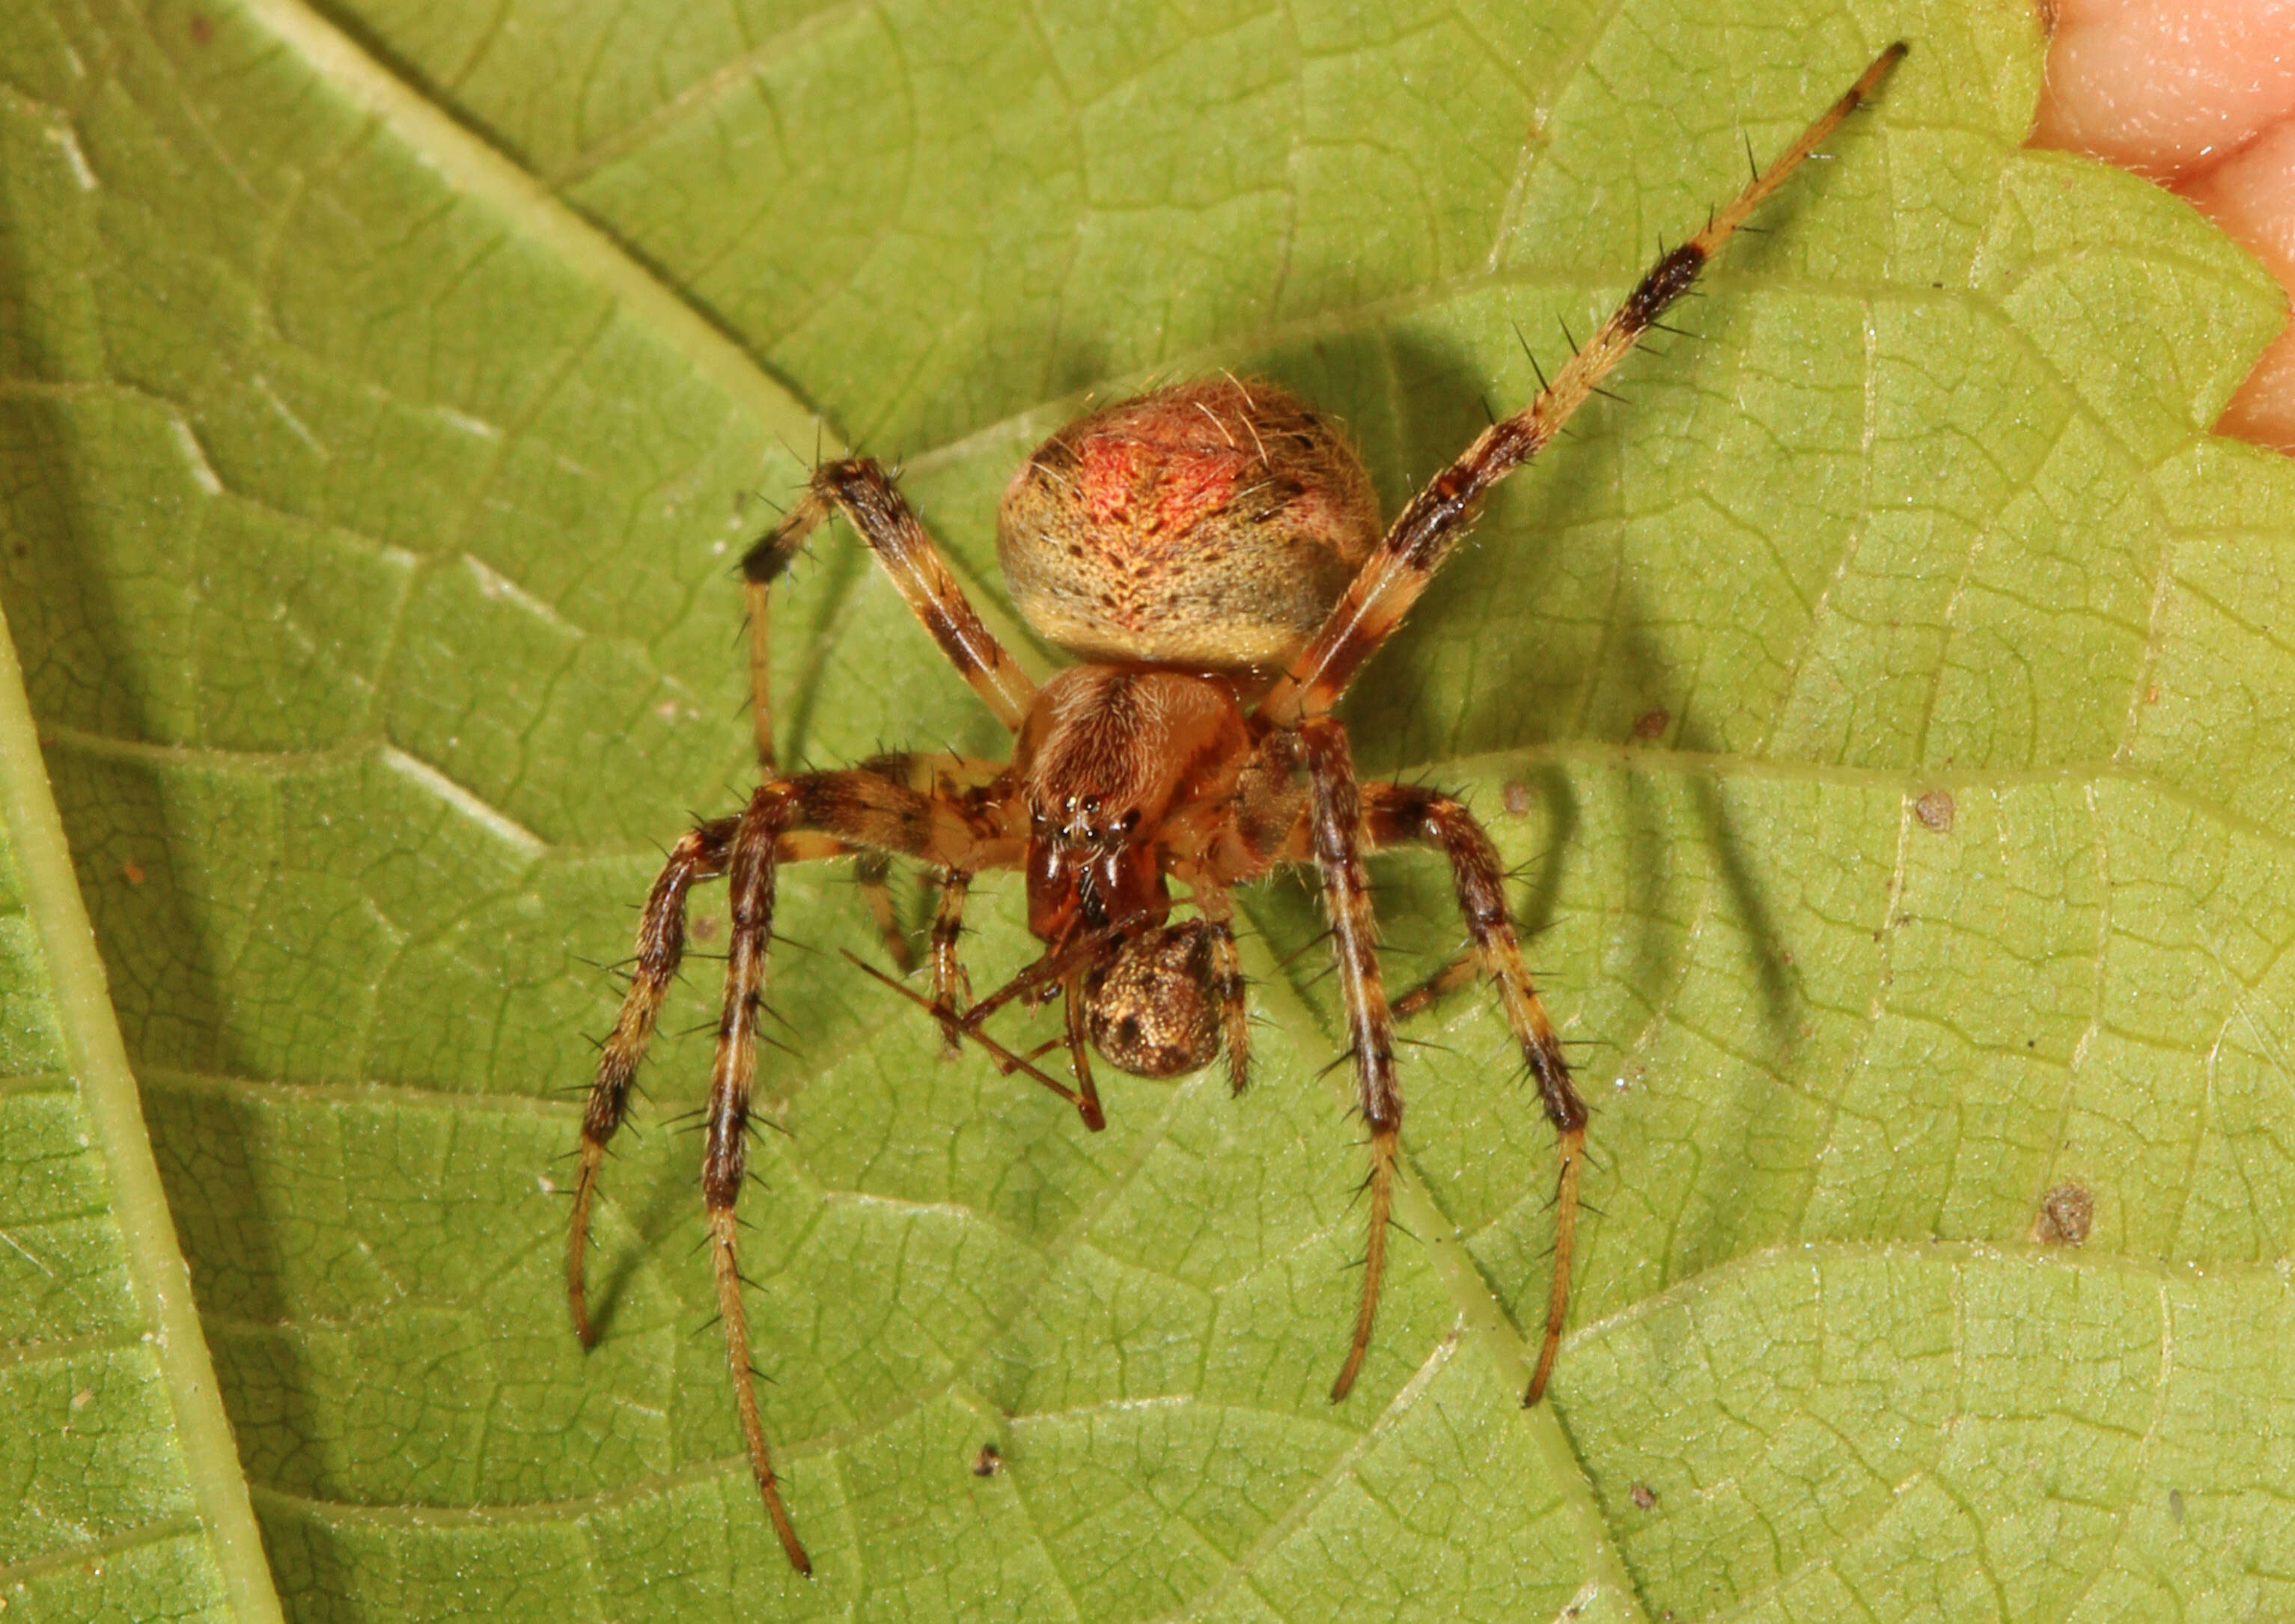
[(663, 1215), (1717, 1222), (104, 665), (1413, 400), (1571, 502), (140, 837)]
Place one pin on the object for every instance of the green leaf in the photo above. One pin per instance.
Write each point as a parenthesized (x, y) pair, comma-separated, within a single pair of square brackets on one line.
[(1886, 704), (123, 1495)]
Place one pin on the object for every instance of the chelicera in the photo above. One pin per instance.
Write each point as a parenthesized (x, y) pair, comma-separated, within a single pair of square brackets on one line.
[(1212, 553)]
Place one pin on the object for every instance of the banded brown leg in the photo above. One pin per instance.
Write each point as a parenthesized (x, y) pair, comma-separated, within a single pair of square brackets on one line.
[(1334, 817), (872, 872), (701, 855), (1397, 814), (1431, 524), (951, 985), (861, 491), (811, 815), (725, 1156)]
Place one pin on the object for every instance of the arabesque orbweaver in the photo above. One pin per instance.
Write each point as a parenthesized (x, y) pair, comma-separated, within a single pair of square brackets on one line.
[(1185, 544)]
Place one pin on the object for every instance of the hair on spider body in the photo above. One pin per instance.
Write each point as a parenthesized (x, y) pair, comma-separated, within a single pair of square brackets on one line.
[(1211, 552), (1207, 526)]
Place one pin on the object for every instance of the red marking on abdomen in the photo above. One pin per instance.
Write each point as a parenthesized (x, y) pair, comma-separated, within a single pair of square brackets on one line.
[(1110, 467), (1152, 477)]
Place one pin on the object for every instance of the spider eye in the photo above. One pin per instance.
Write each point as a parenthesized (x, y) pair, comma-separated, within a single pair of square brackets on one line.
[(1131, 821), (1090, 805)]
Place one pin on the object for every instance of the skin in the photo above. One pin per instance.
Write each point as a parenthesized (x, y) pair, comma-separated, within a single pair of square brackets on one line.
[(2199, 95)]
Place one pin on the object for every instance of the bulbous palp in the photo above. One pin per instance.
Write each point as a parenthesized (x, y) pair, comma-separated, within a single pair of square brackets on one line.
[(1151, 1009)]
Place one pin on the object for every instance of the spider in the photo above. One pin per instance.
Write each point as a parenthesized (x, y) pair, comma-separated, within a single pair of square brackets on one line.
[(1211, 552)]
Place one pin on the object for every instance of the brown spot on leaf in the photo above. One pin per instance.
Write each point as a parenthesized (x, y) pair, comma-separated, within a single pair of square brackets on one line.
[(988, 1462), (202, 28), (1652, 723), (1643, 1496), (1516, 797), (1935, 810), (133, 874), (2067, 1212)]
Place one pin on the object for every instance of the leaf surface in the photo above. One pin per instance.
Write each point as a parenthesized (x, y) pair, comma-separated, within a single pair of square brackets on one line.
[(1886, 704), (123, 1493)]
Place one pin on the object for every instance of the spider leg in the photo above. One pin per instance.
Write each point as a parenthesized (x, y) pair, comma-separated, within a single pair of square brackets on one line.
[(1213, 902), (750, 885), (814, 814), (1440, 984), (861, 491), (1398, 813), (1335, 829), (701, 855), (951, 984), (1064, 969), (1054, 965), (1079, 1044), (968, 779), (1006, 1062), (1431, 524), (872, 872)]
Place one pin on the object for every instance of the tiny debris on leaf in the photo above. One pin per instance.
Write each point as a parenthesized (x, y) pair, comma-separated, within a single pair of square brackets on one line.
[(988, 1462)]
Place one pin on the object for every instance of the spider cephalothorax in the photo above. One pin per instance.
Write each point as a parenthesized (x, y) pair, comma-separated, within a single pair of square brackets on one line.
[(1212, 551), (1121, 770)]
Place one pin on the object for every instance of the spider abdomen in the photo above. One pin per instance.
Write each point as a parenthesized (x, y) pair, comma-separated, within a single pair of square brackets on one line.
[(1210, 525)]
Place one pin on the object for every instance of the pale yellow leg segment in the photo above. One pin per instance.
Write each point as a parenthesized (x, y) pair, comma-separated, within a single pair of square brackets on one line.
[(1379, 1188), (1572, 1144), (727, 1268), (759, 597)]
